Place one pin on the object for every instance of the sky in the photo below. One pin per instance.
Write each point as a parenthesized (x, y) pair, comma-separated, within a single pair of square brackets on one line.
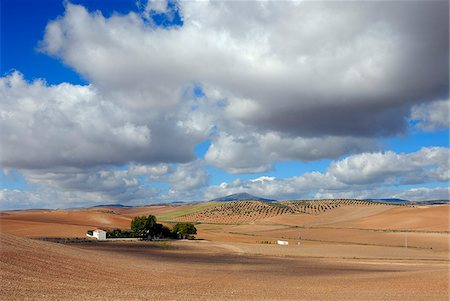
[(146, 102)]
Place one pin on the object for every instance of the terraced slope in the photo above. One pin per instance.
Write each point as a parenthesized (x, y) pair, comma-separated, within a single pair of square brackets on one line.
[(237, 212), (248, 211), (181, 211), (319, 206)]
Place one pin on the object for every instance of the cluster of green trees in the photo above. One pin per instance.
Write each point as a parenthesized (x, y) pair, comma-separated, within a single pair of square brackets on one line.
[(146, 227), (184, 230), (119, 233)]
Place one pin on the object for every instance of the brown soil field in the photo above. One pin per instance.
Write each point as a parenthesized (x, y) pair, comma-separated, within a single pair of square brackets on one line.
[(154, 210), (432, 218), (65, 223), (347, 252)]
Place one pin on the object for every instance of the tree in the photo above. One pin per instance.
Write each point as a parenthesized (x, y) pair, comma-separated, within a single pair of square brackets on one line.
[(144, 226), (184, 229), (118, 233), (163, 231)]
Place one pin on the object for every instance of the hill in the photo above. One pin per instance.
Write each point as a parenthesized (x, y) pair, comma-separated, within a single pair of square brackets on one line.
[(112, 205), (235, 212), (389, 200), (241, 197)]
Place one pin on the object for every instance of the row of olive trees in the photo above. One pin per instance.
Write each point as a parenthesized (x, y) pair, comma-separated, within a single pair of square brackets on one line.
[(146, 227)]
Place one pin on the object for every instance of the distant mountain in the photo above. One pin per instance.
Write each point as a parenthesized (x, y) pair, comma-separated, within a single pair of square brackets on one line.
[(432, 202), (112, 205), (389, 200), (240, 197)]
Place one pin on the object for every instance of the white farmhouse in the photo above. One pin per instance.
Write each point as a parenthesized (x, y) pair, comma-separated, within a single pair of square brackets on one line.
[(97, 233)]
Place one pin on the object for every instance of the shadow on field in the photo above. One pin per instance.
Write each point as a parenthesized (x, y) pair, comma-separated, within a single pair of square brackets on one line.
[(217, 259)]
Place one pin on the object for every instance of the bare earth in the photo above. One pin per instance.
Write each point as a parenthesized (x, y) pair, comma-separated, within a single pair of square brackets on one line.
[(347, 253)]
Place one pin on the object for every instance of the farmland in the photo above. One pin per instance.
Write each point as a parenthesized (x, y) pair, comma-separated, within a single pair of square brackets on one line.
[(247, 211), (336, 248)]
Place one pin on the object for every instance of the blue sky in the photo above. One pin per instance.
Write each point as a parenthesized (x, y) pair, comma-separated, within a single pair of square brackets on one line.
[(148, 102)]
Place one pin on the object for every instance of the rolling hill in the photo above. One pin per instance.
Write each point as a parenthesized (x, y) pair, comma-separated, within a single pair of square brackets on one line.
[(241, 197), (235, 212)]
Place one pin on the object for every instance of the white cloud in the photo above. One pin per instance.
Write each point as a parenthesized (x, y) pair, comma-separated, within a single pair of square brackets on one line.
[(263, 179), (424, 194), (58, 187), (104, 185), (427, 164), (159, 6), (187, 180), (19, 199), (304, 69), (333, 82), (54, 199), (250, 152), (281, 80), (68, 125), (412, 194), (258, 188), (364, 175), (433, 116), (154, 172), (299, 81)]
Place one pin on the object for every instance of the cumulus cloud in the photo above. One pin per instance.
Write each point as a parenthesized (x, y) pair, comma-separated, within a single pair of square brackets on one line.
[(158, 6), (263, 179), (357, 176), (57, 187), (133, 185), (68, 125), (101, 185), (307, 69), (154, 173), (47, 198), (187, 181), (263, 81), (367, 175), (53, 197), (19, 199), (255, 187), (247, 152), (412, 194), (432, 116), (424, 193), (297, 77), (425, 165)]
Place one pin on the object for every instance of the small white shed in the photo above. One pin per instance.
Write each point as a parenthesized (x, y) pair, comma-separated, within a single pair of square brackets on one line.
[(97, 233), (283, 242)]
